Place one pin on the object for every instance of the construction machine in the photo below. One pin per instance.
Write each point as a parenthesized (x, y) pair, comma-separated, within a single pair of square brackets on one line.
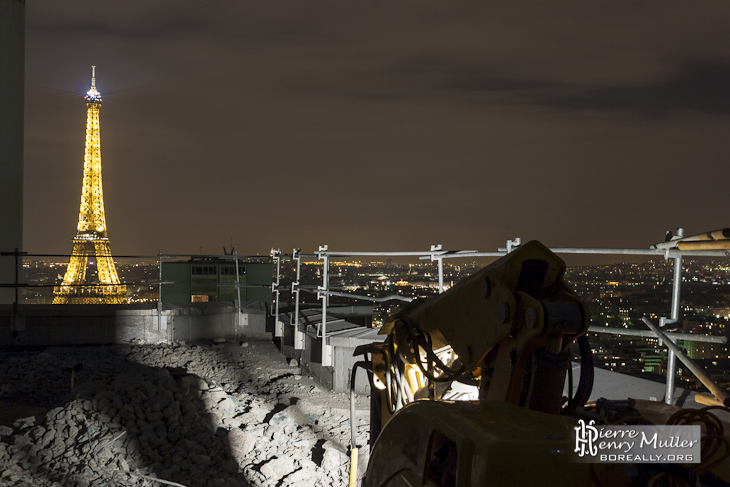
[(469, 388)]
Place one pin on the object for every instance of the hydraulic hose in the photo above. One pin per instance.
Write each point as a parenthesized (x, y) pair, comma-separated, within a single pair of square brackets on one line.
[(585, 383)]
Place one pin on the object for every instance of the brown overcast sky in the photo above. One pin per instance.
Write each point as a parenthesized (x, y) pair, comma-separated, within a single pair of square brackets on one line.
[(379, 125)]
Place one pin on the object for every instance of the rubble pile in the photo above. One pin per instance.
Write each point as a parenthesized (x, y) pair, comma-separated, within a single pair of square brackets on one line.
[(221, 415)]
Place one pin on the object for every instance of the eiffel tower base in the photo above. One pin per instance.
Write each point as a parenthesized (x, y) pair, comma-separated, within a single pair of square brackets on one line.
[(76, 290), (90, 295)]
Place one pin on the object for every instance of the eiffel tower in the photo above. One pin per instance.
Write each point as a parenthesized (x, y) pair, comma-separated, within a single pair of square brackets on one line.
[(91, 276)]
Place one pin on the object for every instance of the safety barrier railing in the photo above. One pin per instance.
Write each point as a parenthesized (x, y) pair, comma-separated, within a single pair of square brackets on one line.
[(713, 245), (676, 249)]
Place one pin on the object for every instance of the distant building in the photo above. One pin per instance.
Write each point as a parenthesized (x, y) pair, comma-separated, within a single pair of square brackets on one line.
[(211, 279)]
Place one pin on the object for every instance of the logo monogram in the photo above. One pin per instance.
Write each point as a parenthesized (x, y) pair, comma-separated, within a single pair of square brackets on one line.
[(585, 438)]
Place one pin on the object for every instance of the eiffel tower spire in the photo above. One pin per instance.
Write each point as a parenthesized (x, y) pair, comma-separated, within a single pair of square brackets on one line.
[(91, 276)]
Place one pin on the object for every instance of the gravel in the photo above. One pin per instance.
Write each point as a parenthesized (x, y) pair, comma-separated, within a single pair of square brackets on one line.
[(224, 414)]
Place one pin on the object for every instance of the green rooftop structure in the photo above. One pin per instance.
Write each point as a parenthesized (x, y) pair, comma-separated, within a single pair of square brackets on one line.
[(212, 279)]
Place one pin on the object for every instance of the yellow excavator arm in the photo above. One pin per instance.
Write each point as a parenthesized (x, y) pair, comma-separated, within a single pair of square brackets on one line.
[(469, 388)]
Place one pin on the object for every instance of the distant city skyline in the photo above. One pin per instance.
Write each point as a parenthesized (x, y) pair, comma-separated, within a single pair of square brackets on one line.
[(379, 126)]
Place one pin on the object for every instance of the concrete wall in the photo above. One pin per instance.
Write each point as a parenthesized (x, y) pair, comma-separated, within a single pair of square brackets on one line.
[(49, 325), (337, 377), (208, 322), (344, 361), (72, 325), (345, 337)]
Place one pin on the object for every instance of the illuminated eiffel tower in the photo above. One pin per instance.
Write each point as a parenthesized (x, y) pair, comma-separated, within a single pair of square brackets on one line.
[(91, 276)]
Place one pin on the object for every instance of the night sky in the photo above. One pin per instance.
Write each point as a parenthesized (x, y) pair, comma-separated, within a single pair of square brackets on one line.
[(379, 125)]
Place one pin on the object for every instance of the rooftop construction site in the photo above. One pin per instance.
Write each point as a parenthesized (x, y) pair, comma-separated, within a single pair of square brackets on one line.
[(265, 393), (463, 368)]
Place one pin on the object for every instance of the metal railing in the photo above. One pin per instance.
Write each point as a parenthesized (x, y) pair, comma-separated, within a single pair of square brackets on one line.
[(437, 254)]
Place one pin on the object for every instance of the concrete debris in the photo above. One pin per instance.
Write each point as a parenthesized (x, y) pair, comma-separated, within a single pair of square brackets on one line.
[(147, 415)]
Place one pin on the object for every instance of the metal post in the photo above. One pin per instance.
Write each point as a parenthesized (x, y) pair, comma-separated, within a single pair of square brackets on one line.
[(677, 281), (324, 256), (18, 325), (511, 245), (278, 326), (17, 283), (674, 319), (440, 261), (238, 283), (298, 335), (159, 293), (238, 292)]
